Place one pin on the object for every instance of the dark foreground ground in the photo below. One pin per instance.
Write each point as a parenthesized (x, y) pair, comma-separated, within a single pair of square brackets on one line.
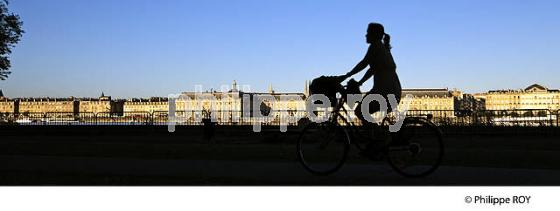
[(148, 155)]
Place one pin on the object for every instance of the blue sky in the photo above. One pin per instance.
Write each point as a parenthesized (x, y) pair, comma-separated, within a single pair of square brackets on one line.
[(145, 48)]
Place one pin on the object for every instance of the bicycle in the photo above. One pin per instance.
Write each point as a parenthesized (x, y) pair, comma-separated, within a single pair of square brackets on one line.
[(323, 148)]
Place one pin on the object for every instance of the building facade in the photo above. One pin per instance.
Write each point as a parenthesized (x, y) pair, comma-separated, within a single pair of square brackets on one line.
[(222, 106), (7, 106), (103, 104), (235, 106), (532, 97), (439, 102), (143, 105), (44, 105)]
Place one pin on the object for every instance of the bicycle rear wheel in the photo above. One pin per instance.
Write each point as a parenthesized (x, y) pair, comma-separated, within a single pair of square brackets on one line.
[(323, 147), (416, 150)]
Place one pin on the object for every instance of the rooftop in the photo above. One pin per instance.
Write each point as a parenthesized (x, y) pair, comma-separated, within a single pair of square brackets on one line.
[(531, 88), (430, 92)]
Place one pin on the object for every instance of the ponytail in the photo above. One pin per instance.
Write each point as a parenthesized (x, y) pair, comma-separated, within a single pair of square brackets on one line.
[(387, 41)]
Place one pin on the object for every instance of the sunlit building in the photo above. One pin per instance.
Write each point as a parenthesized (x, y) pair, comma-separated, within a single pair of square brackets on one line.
[(533, 97), (430, 99), (438, 101), (234, 106), (52, 105), (142, 105), (284, 105), (103, 104), (6, 105), (223, 106)]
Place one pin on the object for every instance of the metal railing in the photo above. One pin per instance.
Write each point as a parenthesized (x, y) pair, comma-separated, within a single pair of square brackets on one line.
[(523, 118)]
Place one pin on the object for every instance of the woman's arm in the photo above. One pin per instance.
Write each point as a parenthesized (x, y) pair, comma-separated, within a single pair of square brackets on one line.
[(367, 76), (361, 65)]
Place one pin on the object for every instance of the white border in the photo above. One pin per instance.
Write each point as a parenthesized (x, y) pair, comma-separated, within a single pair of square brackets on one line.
[(267, 198)]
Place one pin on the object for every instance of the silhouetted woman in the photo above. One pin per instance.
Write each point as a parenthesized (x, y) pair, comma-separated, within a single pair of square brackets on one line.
[(381, 66)]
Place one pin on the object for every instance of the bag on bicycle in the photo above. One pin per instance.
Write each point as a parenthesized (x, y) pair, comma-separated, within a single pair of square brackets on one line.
[(328, 86)]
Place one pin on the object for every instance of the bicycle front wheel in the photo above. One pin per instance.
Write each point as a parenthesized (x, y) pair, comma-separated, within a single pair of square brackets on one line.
[(323, 147), (416, 150)]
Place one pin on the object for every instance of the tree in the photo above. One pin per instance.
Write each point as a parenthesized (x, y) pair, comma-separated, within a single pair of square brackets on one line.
[(10, 34), (265, 109)]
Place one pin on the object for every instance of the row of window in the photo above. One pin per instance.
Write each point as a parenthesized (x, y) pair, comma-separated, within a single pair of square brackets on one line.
[(524, 97), (518, 103)]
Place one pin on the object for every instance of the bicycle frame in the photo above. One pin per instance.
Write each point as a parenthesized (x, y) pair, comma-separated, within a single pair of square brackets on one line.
[(350, 126), (398, 142)]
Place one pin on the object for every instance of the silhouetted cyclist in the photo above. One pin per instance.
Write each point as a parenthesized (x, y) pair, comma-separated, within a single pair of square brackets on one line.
[(381, 66), (385, 80)]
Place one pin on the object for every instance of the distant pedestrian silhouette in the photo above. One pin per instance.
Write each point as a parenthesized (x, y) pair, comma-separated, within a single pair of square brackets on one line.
[(381, 66)]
